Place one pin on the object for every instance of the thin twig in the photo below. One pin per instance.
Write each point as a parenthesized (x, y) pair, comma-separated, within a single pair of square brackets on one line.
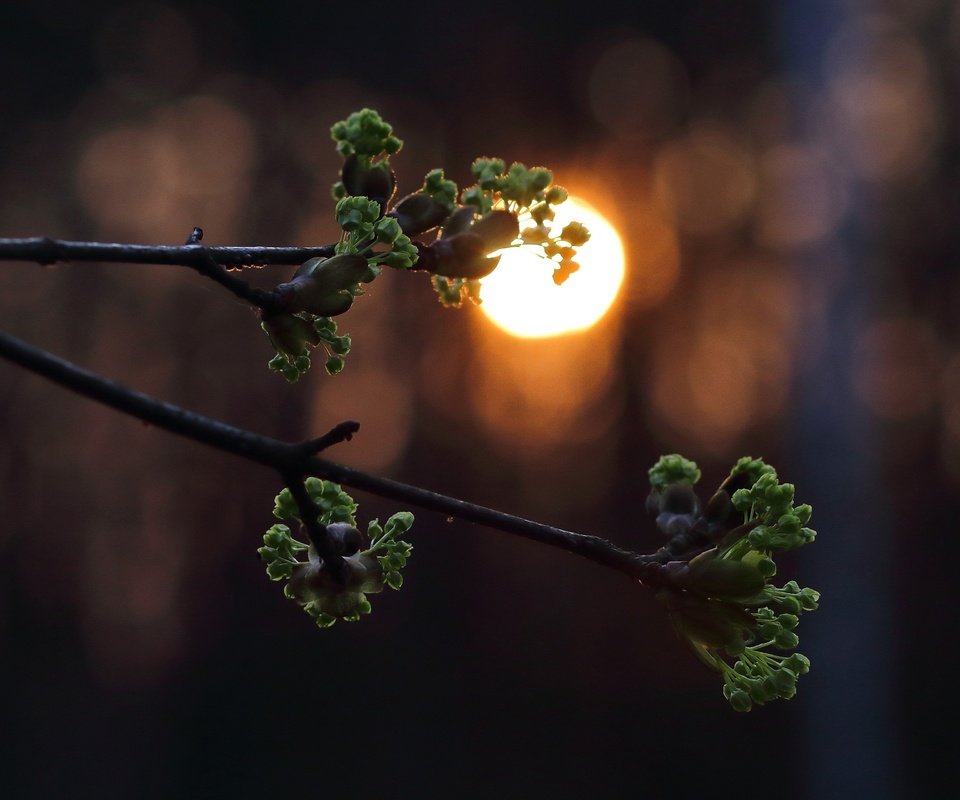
[(341, 432), (290, 458)]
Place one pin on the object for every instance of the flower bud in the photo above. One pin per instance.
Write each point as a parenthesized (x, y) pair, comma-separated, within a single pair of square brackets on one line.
[(462, 255), (459, 220), (715, 577), (498, 229), (740, 701), (376, 181), (289, 334), (786, 640), (320, 285), (344, 539), (418, 213)]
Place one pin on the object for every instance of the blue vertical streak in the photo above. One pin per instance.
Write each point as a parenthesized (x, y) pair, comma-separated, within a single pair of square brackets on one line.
[(846, 700)]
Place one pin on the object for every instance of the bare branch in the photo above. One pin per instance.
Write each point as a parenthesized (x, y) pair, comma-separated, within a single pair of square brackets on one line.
[(295, 459), (210, 262), (43, 250)]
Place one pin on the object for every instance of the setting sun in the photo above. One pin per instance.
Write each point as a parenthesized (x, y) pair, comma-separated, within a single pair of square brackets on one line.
[(521, 298)]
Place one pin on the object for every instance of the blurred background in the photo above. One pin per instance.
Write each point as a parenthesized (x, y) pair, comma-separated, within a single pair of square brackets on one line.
[(783, 177)]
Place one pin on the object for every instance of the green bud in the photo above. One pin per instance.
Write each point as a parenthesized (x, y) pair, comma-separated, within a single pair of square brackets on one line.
[(365, 133), (441, 190), (387, 230), (742, 500), (788, 621), (754, 467), (809, 599), (786, 640), (341, 345), (798, 663), (740, 701), (487, 170), (393, 579), (475, 196), (399, 524), (357, 213), (325, 620), (790, 604), (673, 469), (769, 630), (758, 692)]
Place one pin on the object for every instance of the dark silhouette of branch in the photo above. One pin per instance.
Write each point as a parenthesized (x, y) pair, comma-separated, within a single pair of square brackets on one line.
[(211, 262), (341, 432), (43, 250), (297, 459)]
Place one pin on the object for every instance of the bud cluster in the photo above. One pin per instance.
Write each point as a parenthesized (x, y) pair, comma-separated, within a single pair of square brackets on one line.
[(371, 561), (459, 248), (320, 289), (714, 574)]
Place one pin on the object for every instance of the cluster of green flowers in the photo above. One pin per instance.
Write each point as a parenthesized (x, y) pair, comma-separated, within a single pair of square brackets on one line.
[(530, 194), (364, 227), (320, 289), (371, 561), (377, 233), (716, 585)]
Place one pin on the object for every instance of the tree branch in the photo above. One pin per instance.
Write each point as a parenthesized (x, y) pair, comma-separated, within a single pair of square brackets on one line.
[(297, 459), (43, 250), (208, 261)]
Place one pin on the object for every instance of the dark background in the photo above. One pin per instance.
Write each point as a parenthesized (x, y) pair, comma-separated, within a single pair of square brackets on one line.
[(784, 178)]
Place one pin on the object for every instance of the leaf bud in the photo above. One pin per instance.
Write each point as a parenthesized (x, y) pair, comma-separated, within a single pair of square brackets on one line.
[(459, 221), (288, 333), (498, 229), (376, 181), (715, 577), (344, 539), (321, 286), (418, 213)]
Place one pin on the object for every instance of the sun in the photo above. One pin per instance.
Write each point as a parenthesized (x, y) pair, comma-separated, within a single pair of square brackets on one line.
[(521, 298)]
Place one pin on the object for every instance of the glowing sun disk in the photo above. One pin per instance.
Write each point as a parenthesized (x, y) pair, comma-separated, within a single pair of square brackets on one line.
[(521, 298)]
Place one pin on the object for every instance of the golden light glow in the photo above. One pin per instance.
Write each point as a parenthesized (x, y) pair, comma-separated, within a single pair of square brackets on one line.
[(521, 298)]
